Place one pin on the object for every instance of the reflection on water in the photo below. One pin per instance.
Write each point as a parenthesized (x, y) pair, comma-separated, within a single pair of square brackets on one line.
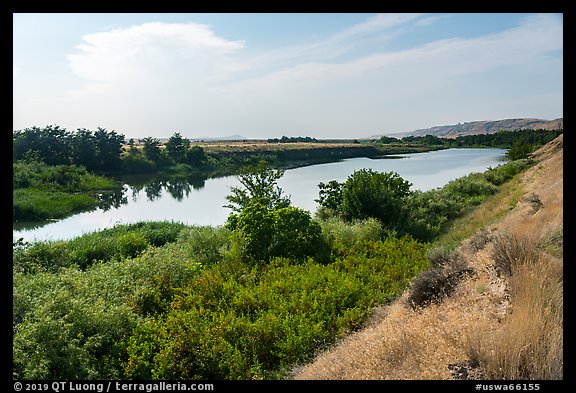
[(153, 186), (200, 201)]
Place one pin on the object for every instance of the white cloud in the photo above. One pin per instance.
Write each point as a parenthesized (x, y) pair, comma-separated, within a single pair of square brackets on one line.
[(151, 52), (184, 77), (439, 60)]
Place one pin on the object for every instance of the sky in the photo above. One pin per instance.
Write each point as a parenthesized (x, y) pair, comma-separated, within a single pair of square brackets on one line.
[(265, 75)]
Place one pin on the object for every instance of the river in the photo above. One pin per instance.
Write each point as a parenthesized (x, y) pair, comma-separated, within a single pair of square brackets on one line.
[(202, 203)]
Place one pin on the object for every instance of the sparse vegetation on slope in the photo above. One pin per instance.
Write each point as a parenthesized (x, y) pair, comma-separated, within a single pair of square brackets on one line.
[(502, 321)]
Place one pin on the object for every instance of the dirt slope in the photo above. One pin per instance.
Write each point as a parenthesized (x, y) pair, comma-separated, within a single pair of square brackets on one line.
[(440, 341)]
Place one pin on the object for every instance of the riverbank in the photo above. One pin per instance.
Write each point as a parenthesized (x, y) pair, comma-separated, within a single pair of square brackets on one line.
[(198, 201), (228, 158), (513, 245)]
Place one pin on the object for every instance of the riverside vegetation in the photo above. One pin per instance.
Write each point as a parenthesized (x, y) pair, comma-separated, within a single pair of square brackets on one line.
[(489, 307), (248, 300)]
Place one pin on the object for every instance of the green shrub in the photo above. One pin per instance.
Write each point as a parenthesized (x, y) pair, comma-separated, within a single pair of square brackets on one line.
[(259, 321), (340, 235), (74, 324), (471, 186), (367, 193), (137, 164), (120, 241), (131, 244), (206, 244), (284, 232)]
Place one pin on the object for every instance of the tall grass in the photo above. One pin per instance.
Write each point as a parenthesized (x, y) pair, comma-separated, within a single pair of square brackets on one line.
[(529, 344)]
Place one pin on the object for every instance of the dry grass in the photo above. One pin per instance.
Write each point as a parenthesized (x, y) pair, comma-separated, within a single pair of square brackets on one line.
[(529, 344), (503, 322)]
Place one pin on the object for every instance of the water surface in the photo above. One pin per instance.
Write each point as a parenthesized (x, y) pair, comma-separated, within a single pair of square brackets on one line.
[(201, 202)]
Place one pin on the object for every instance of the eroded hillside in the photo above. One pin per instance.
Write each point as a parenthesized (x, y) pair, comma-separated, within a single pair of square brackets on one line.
[(502, 317)]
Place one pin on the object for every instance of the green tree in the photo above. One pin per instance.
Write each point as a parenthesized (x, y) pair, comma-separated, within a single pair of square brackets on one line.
[(519, 149), (152, 149), (176, 147), (83, 149), (330, 195), (381, 195), (287, 232), (108, 146), (195, 155), (259, 185)]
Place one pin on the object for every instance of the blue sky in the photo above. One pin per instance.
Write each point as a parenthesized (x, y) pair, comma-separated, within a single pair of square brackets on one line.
[(332, 75)]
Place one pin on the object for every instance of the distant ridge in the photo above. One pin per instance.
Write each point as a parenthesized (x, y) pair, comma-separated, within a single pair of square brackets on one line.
[(483, 127)]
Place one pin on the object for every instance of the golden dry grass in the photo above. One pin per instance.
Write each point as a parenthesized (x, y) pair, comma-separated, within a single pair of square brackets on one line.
[(500, 326)]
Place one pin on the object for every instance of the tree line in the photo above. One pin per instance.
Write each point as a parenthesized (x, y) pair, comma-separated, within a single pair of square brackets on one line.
[(102, 150), (520, 142)]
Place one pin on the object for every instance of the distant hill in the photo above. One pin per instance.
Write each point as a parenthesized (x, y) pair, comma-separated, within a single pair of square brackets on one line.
[(483, 127)]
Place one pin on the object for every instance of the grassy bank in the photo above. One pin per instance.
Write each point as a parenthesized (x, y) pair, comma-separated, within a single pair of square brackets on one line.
[(490, 305), (41, 192)]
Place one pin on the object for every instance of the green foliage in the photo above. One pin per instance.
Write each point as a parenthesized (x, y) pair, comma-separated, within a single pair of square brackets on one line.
[(96, 150), (75, 324), (259, 185), (340, 235), (519, 149), (285, 232), (207, 245), (182, 311), (500, 139), (367, 194), (176, 147), (35, 205), (295, 235), (502, 173), (388, 139), (41, 191), (292, 139), (134, 163), (152, 150), (424, 215), (118, 242), (258, 321), (430, 211), (196, 156), (474, 188), (131, 244), (330, 195)]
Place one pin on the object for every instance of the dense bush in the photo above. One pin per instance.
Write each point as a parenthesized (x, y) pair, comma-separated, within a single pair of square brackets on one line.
[(180, 311), (41, 192), (286, 232), (340, 235), (121, 241), (260, 320), (74, 324), (208, 245), (134, 163), (367, 194)]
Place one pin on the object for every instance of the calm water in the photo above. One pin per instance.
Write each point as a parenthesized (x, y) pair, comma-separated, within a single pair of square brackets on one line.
[(200, 203)]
